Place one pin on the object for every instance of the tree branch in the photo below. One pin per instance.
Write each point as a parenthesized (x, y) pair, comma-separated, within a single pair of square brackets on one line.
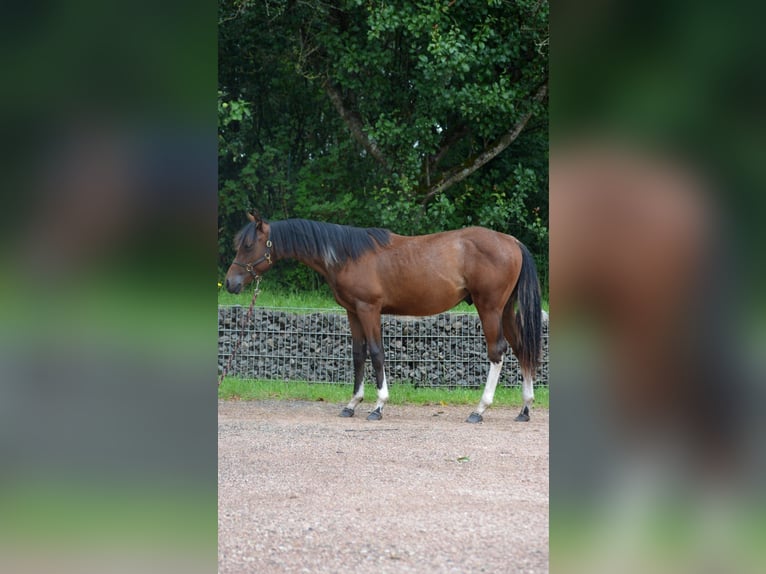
[(353, 123), (459, 174), (451, 137)]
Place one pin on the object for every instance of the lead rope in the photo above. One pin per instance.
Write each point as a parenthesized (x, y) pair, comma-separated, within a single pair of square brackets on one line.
[(245, 324)]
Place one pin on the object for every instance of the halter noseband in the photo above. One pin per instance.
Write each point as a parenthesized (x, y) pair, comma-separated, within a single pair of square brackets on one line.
[(250, 267)]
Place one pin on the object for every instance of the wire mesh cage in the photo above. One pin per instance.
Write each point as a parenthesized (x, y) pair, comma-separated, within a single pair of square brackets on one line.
[(314, 345)]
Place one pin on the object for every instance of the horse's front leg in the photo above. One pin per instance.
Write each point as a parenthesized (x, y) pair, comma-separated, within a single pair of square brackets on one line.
[(377, 358), (366, 336), (360, 354), (359, 351)]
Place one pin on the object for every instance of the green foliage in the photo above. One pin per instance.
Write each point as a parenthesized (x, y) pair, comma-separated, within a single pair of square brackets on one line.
[(354, 112)]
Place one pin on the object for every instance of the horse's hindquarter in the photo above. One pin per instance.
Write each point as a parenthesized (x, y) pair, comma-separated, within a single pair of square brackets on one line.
[(429, 274)]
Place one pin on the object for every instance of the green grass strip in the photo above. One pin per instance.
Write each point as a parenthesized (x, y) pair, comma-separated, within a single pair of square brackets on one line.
[(234, 388), (271, 296)]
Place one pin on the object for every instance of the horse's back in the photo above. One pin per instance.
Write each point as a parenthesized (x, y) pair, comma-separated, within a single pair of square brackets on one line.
[(455, 251), (429, 274)]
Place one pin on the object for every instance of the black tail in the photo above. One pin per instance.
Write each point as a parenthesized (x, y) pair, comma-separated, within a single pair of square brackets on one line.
[(528, 320)]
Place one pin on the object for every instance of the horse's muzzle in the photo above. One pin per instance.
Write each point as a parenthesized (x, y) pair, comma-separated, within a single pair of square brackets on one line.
[(233, 286)]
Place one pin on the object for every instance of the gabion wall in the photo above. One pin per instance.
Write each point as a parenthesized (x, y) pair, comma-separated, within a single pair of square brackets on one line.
[(446, 350)]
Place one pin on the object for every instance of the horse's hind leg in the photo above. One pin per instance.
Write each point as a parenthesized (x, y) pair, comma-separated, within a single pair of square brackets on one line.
[(528, 392), (496, 347), (528, 375), (359, 350), (489, 391)]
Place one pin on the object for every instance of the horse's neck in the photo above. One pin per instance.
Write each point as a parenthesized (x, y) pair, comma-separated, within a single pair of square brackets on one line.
[(315, 263)]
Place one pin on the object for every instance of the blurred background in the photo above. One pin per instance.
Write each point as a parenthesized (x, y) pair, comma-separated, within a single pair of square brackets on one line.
[(108, 351), (109, 249), (657, 282)]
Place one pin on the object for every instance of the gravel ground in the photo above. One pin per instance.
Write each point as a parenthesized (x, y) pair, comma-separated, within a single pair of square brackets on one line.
[(303, 490)]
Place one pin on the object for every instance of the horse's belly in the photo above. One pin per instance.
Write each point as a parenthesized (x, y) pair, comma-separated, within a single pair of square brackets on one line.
[(427, 302)]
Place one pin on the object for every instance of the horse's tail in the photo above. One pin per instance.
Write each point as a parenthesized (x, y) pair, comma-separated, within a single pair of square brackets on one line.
[(524, 329)]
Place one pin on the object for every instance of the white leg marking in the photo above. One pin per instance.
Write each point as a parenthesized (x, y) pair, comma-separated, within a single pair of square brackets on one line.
[(528, 388), (357, 398), (489, 389), (382, 393)]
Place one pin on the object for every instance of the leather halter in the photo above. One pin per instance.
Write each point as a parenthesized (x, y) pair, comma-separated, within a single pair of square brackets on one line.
[(250, 267)]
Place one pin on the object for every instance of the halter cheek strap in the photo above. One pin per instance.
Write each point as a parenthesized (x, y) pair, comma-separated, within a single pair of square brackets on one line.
[(250, 267)]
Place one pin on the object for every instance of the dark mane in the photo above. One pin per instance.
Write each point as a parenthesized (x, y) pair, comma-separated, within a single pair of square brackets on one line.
[(332, 243)]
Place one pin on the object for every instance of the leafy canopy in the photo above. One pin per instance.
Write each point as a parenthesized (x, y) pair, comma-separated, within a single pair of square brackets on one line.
[(417, 116)]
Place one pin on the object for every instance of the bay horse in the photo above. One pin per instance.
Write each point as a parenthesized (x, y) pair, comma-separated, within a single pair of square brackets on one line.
[(373, 271)]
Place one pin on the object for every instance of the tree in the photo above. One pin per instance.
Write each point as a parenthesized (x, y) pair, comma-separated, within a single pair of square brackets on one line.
[(415, 116)]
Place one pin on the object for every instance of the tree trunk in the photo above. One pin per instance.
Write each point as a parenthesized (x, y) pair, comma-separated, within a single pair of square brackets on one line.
[(353, 123)]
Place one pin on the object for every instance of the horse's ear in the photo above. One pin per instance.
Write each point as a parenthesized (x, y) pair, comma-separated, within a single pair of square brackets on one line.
[(256, 218)]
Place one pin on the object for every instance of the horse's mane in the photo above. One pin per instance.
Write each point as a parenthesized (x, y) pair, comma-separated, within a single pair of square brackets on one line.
[(332, 243)]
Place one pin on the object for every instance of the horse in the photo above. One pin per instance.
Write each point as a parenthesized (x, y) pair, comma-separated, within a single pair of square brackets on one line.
[(372, 271)]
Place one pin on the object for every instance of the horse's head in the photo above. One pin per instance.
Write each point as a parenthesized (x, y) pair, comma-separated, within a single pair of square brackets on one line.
[(254, 254)]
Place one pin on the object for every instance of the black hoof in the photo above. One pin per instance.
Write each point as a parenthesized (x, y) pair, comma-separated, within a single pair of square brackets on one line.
[(347, 413), (474, 418), (523, 416), (375, 415)]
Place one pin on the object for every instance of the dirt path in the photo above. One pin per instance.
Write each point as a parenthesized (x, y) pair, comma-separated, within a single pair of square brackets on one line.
[(302, 490)]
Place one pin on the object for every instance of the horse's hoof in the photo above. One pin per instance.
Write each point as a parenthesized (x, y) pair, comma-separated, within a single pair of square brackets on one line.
[(474, 418), (375, 415), (523, 416), (347, 413)]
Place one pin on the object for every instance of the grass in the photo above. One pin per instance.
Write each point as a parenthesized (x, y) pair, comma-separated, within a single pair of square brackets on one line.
[(274, 297), (278, 298), (234, 388)]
